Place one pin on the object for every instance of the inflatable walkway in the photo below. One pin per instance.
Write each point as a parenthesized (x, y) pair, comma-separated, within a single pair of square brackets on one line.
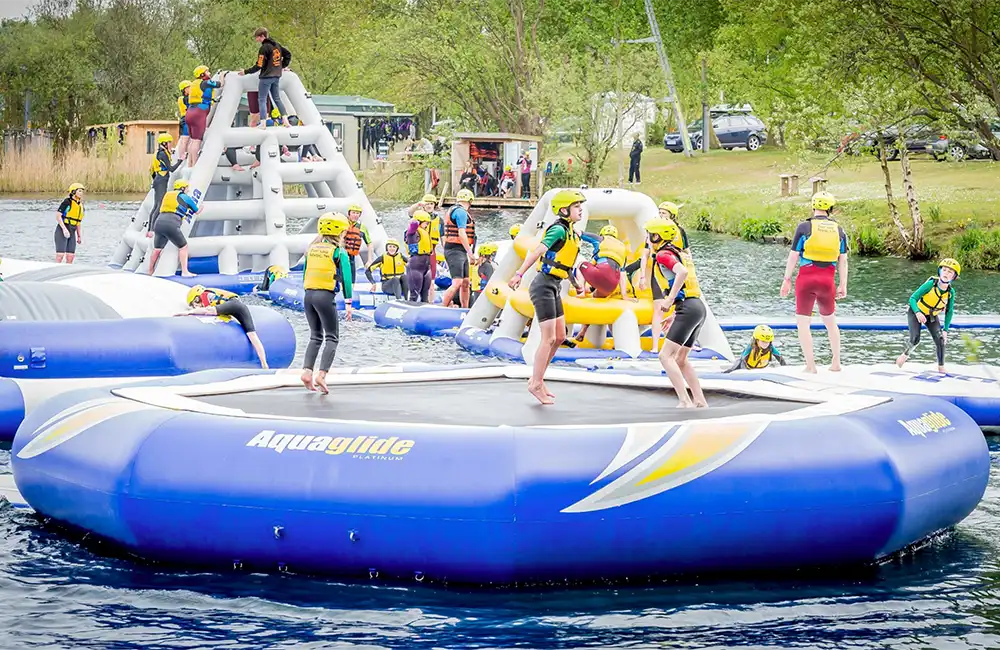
[(61, 325), (246, 469), (242, 227), (866, 323)]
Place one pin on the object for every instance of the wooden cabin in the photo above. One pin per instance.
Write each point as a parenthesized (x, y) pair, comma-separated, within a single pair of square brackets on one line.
[(494, 152)]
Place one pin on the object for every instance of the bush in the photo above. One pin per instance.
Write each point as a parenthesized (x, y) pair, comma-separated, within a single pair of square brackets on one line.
[(934, 213), (703, 220), (870, 240), (978, 249), (756, 229), (655, 132)]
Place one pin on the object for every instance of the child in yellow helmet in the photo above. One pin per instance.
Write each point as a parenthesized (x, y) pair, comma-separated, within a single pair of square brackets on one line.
[(760, 353), (931, 299), (216, 302), (69, 224)]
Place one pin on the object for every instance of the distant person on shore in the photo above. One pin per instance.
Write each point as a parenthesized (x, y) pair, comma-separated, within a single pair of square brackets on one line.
[(819, 248), (933, 297), (524, 162), (216, 302), (202, 93), (177, 207), (634, 158), (69, 220), (272, 58), (182, 127), (760, 353), (160, 169)]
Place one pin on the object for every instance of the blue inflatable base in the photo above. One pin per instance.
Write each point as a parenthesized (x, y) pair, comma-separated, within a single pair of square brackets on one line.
[(478, 341), (419, 318)]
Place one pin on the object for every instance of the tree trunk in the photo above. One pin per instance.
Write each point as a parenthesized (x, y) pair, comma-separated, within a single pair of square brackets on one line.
[(917, 248), (893, 212)]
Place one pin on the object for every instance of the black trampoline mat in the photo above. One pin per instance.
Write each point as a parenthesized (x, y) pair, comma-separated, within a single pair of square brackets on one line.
[(492, 402)]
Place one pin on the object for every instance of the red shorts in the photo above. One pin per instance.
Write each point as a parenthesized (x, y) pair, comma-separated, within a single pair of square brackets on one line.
[(196, 119), (603, 277), (253, 101), (434, 264), (815, 285)]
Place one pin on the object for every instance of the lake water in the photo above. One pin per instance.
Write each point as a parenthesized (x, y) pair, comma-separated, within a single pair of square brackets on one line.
[(60, 593)]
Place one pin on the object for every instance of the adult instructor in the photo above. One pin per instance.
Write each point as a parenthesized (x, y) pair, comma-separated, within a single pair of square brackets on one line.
[(272, 58), (819, 248), (459, 244)]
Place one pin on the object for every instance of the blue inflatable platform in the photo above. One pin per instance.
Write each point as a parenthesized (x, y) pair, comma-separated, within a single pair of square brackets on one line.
[(867, 323), (228, 469)]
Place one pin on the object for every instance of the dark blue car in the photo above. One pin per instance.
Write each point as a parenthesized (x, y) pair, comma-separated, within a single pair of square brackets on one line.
[(732, 130)]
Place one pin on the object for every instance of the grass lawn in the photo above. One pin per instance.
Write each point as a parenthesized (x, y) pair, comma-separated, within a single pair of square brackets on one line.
[(723, 189)]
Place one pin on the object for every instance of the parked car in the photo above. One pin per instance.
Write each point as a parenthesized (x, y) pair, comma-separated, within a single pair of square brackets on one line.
[(964, 145), (916, 138), (732, 130)]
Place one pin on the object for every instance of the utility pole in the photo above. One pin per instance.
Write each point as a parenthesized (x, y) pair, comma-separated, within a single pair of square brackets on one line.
[(27, 110), (668, 75), (705, 125)]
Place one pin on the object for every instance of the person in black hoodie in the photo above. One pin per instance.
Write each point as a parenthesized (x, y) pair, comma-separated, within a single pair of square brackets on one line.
[(272, 58), (635, 155)]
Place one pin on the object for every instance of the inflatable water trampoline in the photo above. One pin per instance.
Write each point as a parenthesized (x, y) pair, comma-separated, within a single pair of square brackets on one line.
[(457, 475), (60, 322)]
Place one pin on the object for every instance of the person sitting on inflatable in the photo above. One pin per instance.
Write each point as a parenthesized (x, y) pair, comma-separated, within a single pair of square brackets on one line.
[(216, 302), (760, 353), (481, 272), (556, 256), (514, 231), (675, 284), (418, 243), (327, 270), (606, 274), (392, 267), (272, 274), (927, 302)]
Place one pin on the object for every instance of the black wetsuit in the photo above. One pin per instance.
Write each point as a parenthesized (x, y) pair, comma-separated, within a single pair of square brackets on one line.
[(235, 308), (161, 180)]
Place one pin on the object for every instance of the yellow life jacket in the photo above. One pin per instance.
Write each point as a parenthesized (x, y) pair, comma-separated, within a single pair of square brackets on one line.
[(156, 167), (613, 249), (758, 358), (559, 263), (934, 301), (435, 231), (172, 205), (475, 282), (201, 95), (321, 269), (823, 243), (74, 215), (692, 289), (392, 266), (215, 297), (423, 246), (182, 107)]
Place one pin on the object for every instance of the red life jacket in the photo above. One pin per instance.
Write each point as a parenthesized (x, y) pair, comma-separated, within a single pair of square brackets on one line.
[(451, 230)]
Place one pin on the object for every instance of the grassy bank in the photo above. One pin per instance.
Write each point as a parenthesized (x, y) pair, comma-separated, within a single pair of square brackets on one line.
[(737, 192)]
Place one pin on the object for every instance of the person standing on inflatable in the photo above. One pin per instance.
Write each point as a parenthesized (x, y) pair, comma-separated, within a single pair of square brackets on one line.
[(760, 353), (272, 58), (177, 207), (428, 204), (392, 269), (182, 127), (459, 244), (422, 256), (216, 302), (199, 104), (556, 256), (160, 169), (69, 220), (327, 268), (819, 248), (926, 304), (356, 235)]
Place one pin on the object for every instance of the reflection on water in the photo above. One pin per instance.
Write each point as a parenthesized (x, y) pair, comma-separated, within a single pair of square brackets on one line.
[(57, 593)]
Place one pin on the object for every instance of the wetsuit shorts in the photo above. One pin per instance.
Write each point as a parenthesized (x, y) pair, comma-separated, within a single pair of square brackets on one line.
[(65, 244), (167, 227), (603, 276), (659, 293), (197, 121), (815, 285), (689, 316), (545, 297), (235, 308), (458, 262)]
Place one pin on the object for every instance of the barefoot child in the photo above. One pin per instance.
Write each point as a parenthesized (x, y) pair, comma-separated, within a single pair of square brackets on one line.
[(927, 302)]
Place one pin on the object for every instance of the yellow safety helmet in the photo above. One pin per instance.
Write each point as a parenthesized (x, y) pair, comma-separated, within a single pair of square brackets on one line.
[(183, 85), (566, 198), (277, 272), (194, 293), (180, 184), (164, 138), (429, 198), (333, 225), (514, 230), (823, 201), (354, 207), (950, 263), (76, 186), (199, 71), (421, 217), (763, 333), (392, 242), (670, 207), (464, 196), (609, 231), (487, 249), (667, 230), (275, 112)]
